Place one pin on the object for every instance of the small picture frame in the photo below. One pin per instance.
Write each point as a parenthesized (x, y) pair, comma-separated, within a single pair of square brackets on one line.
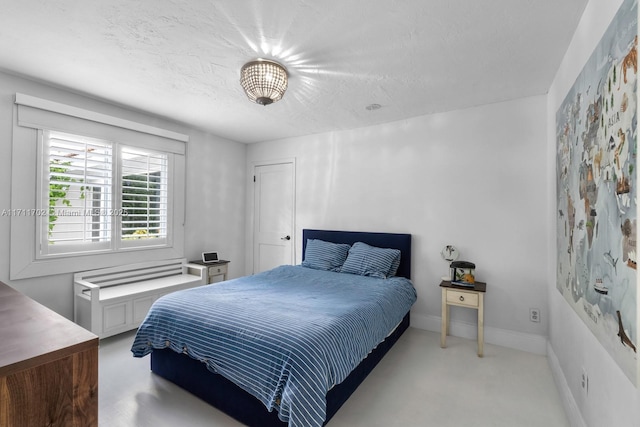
[(210, 257)]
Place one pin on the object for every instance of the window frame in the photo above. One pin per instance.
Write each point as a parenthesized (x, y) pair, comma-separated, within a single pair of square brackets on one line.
[(116, 240), (34, 115), (43, 249), (120, 241)]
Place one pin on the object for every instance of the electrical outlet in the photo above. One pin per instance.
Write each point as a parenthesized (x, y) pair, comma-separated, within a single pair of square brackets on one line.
[(534, 315), (584, 382)]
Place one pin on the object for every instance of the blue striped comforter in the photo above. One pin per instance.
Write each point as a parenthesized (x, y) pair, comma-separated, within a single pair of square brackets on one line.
[(286, 335)]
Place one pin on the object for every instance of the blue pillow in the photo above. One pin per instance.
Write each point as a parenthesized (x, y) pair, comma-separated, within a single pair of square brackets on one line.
[(321, 255), (366, 260), (395, 265)]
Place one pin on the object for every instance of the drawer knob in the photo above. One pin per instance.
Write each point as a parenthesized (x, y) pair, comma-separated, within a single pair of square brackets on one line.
[(461, 298)]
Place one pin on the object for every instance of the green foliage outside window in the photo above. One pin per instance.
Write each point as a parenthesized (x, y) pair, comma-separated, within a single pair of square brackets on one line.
[(59, 184)]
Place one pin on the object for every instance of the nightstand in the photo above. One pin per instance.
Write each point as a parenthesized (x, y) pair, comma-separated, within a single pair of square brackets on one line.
[(218, 268), (463, 296)]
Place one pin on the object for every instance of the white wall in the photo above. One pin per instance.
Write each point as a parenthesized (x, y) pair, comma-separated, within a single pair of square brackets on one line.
[(215, 203), (473, 178), (612, 400)]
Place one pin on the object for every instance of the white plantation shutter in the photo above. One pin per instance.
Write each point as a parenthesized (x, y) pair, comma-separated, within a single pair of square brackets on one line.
[(77, 191), (144, 195), (86, 210)]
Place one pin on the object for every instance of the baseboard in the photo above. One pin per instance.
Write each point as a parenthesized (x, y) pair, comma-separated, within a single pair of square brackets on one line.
[(568, 402), (531, 343)]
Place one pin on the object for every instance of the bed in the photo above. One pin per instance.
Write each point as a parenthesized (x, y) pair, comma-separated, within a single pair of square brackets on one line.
[(306, 343)]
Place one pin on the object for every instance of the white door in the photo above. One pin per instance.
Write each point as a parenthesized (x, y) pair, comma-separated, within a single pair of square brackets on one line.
[(273, 216)]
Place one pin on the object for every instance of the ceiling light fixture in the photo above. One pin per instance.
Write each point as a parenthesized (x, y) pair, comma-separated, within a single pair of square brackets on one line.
[(264, 81)]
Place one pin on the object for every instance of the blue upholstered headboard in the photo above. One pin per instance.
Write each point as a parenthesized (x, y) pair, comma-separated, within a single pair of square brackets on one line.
[(381, 240)]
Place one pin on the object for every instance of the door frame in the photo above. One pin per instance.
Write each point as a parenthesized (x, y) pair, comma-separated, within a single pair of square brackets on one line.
[(251, 208)]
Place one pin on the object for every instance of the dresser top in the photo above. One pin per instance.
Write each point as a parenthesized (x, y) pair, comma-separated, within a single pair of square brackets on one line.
[(32, 334)]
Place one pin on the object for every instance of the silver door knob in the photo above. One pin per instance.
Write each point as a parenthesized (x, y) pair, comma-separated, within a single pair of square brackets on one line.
[(285, 238)]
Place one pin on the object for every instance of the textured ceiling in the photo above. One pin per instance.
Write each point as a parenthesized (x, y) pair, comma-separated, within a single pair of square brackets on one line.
[(181, 59)]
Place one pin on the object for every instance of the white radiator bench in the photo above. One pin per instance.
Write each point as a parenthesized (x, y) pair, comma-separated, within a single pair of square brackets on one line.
[(113, 300)]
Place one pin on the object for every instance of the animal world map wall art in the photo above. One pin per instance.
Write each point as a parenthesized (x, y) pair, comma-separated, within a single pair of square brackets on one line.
[(596, 170)]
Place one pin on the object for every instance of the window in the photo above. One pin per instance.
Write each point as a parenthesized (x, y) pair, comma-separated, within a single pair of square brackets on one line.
[(89, 190), (90, 211), (144, 196), (76, 190)]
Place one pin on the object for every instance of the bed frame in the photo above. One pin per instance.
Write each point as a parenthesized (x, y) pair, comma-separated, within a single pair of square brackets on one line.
[(216, 390)]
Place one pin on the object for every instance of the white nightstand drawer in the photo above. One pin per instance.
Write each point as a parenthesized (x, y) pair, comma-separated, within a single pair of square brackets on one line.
[(216, 270), (467, 299)]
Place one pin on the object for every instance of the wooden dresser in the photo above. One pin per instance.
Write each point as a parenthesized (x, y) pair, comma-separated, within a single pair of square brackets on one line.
[(48, 366)]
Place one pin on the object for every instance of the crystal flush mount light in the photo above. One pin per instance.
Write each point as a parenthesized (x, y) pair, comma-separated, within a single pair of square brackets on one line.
[(264, 81)]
